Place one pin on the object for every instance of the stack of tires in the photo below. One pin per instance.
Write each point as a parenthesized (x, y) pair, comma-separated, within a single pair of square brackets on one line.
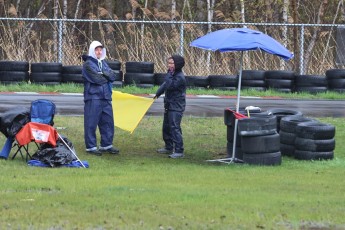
[(46, 73), (314, 141), (13, 72), (253, 79), (311, 83), (197, 82), (287, 133), (116, 66), (140, 74), (72, 74), (159, 78), (280, 80), (223, 82), (260, 142), (336, 80)]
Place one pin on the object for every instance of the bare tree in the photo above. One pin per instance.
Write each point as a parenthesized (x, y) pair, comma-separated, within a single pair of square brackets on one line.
[(210, 10), (313, 39), (295, 35), (142, 33), (55, 32), (186, 4), (285, 29)]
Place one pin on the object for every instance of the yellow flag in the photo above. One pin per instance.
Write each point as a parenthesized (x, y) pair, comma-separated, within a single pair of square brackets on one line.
[(129, 110)]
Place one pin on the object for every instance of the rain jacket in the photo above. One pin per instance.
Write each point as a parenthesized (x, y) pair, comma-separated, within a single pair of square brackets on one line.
[(97, 80), (174, 87)]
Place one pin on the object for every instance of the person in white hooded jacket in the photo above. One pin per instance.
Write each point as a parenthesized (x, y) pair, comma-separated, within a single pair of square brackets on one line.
[(98, 111)]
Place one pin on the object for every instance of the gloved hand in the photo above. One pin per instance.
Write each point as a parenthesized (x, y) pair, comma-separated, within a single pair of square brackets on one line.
[(155, 97)]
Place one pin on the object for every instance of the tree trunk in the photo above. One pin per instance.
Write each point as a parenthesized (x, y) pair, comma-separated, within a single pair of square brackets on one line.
[(55, 32), (284, 33), (295, 36), (313, 39), (142, 34), (186, 4)]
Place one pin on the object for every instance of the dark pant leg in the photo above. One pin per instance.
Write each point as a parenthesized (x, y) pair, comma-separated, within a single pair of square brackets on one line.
[(92, 112), (106, 124), (175, 119), (167, 132)]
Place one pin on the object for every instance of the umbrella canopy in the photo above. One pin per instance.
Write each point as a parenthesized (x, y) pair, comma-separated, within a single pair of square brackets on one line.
[(241, 39)]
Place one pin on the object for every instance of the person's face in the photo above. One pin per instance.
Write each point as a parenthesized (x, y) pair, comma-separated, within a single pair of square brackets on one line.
[(98, 52), (171, 64)]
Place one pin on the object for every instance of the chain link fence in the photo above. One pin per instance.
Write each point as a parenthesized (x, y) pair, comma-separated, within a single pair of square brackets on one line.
[(317, 47)]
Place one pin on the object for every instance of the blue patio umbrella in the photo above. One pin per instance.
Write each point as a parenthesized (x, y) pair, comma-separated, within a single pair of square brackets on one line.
[(240, 39)]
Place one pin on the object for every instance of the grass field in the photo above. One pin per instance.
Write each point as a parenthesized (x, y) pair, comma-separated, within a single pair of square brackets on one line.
[(140, 189)]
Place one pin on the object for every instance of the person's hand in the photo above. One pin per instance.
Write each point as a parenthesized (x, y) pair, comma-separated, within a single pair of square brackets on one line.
[(155, 97)]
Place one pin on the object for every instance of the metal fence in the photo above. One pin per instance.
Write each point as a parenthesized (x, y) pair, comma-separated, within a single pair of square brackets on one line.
[(317, 47)]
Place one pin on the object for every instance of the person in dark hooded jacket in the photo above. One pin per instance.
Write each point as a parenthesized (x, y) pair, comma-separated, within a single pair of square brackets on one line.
[(98, 111), (174, 87)]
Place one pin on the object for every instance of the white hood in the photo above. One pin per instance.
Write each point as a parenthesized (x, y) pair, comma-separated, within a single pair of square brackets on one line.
[(92, 48)]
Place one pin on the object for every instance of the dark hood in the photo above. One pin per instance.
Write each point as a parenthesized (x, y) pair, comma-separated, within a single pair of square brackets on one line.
[(179, 62)]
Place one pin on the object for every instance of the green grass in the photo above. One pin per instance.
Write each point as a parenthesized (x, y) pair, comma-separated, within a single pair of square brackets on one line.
[(77, 88), (140, 189)]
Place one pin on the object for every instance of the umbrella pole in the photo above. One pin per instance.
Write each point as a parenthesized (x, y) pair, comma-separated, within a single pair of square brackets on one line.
[(237, 110), (233, 159)]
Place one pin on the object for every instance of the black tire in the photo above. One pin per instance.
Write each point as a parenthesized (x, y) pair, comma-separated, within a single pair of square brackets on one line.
[(253, 83), (118, 75), (72, 77), (225, 88), (280, 113), (280, 83), (335, 74), (336, 83), (13, 76), (280, 74), (315, 130), (139, 67), (238, 151), (260, 144), (114, 65), (310, 80), (17, 66), (287, 150), (263, 159), (314, 145), (289, 123), (159, 78), (145, 85), (311, 89), (117, 84), (72, 69), (230, 136), (254, 88), (311, 155), (257, 126), (217, 81), (46, 67), (138, 78), (287, 138), (44, 77), (201, 81), (253, 75), (12, 82)]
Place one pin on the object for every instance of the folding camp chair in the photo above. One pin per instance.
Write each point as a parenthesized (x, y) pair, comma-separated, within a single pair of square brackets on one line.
[(42, 112)]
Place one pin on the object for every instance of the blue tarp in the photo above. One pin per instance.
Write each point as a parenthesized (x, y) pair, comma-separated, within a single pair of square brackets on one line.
[(73, 164)]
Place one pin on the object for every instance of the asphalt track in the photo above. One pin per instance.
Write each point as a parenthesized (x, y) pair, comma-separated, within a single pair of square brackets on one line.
[(199, 106)]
